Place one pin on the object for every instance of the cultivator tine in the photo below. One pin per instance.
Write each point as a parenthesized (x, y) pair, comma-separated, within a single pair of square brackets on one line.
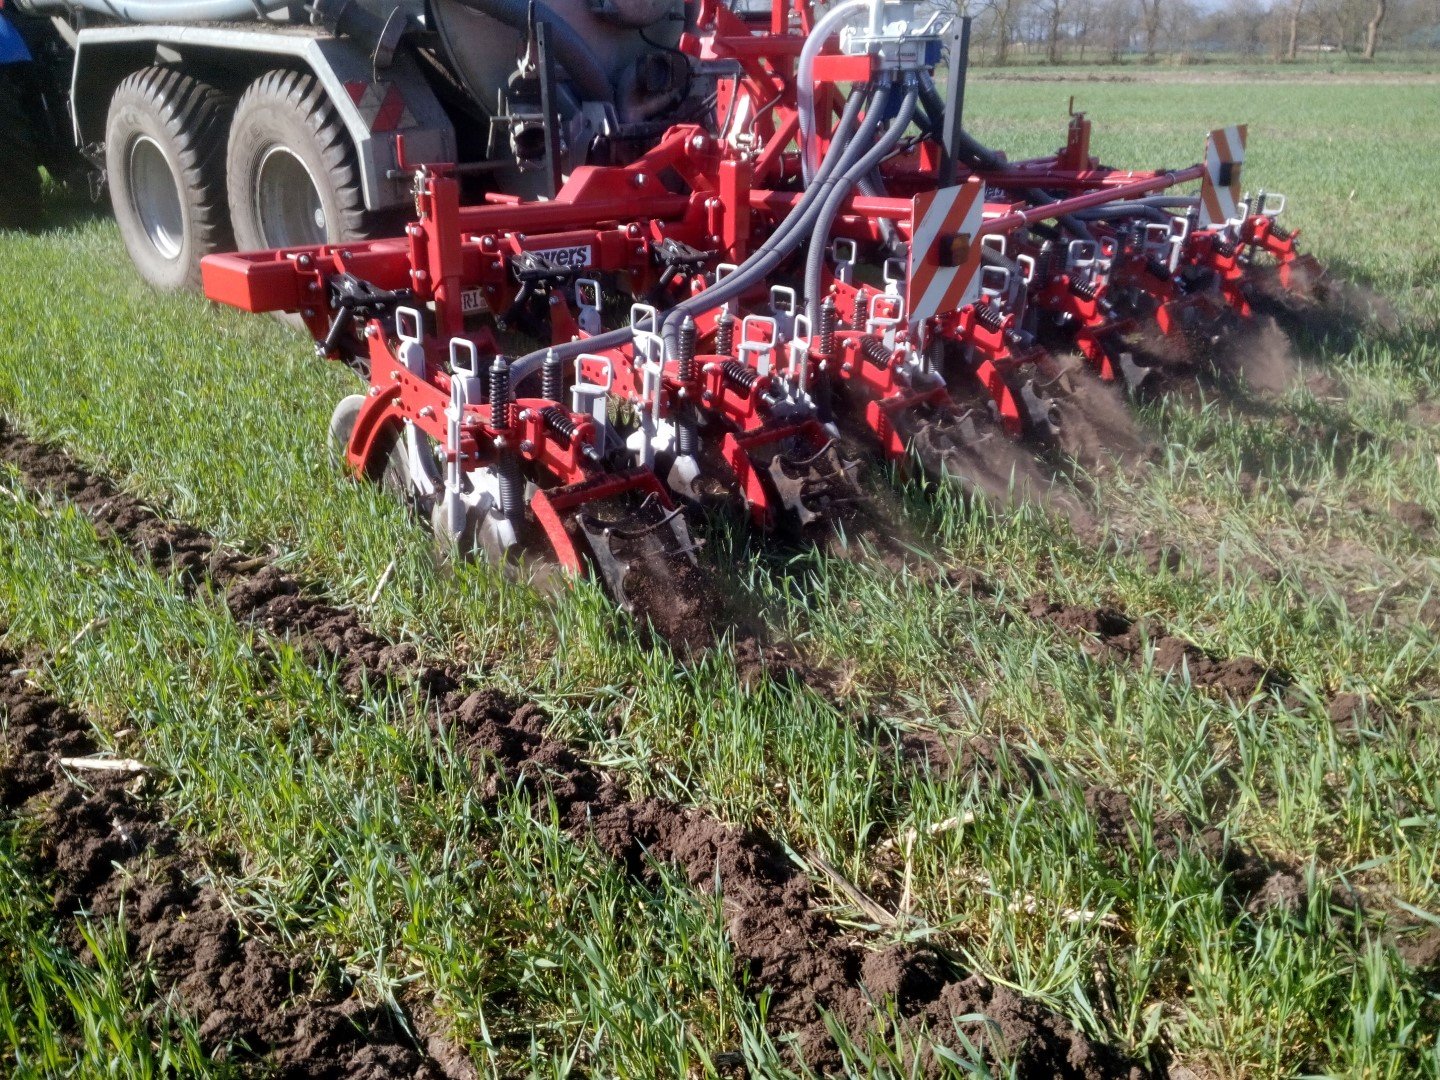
[(822, 480), (1041, 413), (616, 549)]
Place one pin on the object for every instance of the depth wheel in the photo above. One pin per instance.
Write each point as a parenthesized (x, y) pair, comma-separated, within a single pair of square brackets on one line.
[(165, 158)]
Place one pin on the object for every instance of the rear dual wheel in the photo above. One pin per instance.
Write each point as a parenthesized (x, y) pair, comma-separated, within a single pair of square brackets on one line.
[(165, 158), (291, 169), (194, 172)]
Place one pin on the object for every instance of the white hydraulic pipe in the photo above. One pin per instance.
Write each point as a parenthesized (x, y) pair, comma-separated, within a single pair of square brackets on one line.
[(805, 77)]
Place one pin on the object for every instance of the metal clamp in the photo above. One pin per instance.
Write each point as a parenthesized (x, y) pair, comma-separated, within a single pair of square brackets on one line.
[(894, 274), (758, 335), (998, 285), (799, 349), (783, 306)]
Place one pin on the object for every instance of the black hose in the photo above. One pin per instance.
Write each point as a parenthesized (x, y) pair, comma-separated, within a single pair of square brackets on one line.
[(798, 224), (815, 257), (532, 362)]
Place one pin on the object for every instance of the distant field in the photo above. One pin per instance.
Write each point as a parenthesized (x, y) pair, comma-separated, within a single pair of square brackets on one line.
[(1216, 885)]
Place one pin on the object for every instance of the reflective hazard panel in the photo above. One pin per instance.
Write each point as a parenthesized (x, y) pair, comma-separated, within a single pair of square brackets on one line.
[(944, 272), (381, 104), (1220, 186)]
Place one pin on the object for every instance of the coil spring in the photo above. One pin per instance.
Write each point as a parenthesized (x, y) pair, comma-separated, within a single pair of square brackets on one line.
[(725, 334), (825, 337), (502, 407), (875, 351), (559, 421), (990, 316), (552, 377), (1279, 231), (508, 470), (739, 375), (1225, 248), (685, 351), (1083, 289)]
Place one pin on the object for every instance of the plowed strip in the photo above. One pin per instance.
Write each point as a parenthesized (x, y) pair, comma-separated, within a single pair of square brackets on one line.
[(103, 848), (781, 942)]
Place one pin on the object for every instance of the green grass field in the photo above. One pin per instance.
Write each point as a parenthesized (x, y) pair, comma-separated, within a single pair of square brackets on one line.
[(1296, 527)]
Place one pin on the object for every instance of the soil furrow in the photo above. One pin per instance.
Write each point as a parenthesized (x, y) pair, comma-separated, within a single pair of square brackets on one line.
[(781, 942), (111, 854)]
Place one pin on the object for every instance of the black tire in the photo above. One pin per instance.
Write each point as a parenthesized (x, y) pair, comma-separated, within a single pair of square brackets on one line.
[(286, 135), (19, 164), (165, 161)]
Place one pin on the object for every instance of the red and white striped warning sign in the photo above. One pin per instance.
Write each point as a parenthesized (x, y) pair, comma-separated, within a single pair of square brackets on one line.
[(1220, 186), (944, 252), (381, 104)]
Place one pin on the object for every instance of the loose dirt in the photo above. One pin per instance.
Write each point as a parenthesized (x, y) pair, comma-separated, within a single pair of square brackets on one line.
[(1109, 632), (108, 853), (781, 942)]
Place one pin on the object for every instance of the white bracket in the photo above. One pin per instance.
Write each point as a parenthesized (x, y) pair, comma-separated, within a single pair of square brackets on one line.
[(588, 298), (593, 397), (410, 329), (844, 252)]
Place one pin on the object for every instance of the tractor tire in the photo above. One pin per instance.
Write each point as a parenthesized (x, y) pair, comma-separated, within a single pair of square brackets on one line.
[(19, 165), (291, 168), (165, 160)]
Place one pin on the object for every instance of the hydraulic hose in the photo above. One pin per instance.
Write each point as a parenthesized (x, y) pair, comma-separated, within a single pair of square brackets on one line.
[(805, 77), (874, 186), (532, 362), (971, 151), (884, 146), (161, 11), (799, 225)]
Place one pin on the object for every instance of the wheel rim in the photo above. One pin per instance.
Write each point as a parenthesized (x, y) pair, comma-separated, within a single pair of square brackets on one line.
[(287, 201), (155, 196)]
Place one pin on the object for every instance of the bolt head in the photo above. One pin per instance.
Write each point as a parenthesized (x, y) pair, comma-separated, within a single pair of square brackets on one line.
[(527, 447)]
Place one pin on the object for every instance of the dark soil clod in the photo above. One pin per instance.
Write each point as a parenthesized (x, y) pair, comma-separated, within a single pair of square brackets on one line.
[(1110, 632), (105, 852)]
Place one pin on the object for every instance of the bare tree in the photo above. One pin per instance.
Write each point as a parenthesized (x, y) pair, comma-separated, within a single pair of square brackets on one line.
[(1004, 14), (1054, 14), (1293, 47), (1084, 20), (1372, 32), (1150, 18)]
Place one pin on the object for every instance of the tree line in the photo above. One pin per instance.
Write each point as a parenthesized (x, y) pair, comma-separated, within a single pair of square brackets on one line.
[(1059, 31)]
